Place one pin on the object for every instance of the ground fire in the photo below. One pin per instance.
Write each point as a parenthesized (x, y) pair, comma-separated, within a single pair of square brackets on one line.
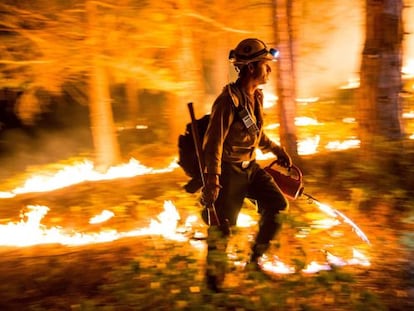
[(168, 224)]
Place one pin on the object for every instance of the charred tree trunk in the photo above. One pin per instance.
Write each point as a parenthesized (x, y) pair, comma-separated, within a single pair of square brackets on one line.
[(286, 81), (379, 104), (107, 151)]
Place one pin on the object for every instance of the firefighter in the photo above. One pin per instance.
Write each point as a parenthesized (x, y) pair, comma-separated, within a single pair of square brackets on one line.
[(234, 132)]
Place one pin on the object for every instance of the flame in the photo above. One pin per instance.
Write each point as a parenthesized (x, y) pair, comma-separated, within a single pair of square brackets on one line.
[(306, 121), (245, 221), (275, 266), (347, 144), (408, 115), (270, 99), (357, 259), (408, 69), (102, 217), (314, 267), (29, 230), (81, 172), (353, 83), (307, 100), (326, 223), (349, 120), (305, 147), (309, 145)]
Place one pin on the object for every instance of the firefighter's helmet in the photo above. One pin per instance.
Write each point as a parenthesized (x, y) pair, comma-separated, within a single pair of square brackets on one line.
[(251, 50)]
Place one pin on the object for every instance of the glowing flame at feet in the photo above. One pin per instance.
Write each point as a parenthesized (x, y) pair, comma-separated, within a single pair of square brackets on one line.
[(80, 172), (276, 266), (357, 259), (29, 230)]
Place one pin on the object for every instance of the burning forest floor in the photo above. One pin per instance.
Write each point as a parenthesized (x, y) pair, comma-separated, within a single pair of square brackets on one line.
[(164, 270)]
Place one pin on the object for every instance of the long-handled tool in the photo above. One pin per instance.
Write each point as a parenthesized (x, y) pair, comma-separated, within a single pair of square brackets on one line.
[(290, 182), (212, 219)]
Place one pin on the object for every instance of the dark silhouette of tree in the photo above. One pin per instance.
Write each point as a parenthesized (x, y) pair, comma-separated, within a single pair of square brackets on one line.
[(379, 104)]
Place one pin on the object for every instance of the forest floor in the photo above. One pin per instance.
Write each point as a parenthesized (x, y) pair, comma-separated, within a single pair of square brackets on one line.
[(154, 272)]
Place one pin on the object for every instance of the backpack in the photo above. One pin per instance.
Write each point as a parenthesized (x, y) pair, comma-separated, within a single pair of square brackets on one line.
[(187, 155)]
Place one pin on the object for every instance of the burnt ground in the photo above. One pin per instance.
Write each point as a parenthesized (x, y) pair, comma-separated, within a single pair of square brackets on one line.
[(155, 273)]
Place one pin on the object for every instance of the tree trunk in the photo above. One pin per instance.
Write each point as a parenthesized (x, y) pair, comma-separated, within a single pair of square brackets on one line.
[(286, 81), (189, 68), (218, 48), (132, 102), (107, 151), (379, 104)]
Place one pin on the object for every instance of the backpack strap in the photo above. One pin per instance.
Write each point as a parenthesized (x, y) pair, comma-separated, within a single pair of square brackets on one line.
[(234, 98), (244, 114)]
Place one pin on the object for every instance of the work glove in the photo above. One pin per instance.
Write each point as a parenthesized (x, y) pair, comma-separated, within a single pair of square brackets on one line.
[(211, 190), (283, 158)]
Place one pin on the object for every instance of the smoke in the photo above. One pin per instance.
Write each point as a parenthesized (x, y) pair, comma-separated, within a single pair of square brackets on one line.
[(330, 42), (28, 147), (331, 39)]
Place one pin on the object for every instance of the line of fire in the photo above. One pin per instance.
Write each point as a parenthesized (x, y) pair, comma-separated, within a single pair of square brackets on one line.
[(93, 209)]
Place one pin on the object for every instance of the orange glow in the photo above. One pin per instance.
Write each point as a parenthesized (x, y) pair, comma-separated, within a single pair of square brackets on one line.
[(346, 144), (30, 231), (275, 266), (307, 100), (269, 99), (245, 221), (326, 223), (357, 259), (353, 83), (408, 69), (80, 172), (102, 217), (309, 145), (306, 121), (314, 267), (408, 115)]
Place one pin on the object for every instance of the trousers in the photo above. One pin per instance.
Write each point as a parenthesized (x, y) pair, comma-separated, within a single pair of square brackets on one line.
[(255, 183)]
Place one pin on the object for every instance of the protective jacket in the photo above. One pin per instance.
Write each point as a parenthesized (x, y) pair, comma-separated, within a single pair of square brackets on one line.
[(227, 137)]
